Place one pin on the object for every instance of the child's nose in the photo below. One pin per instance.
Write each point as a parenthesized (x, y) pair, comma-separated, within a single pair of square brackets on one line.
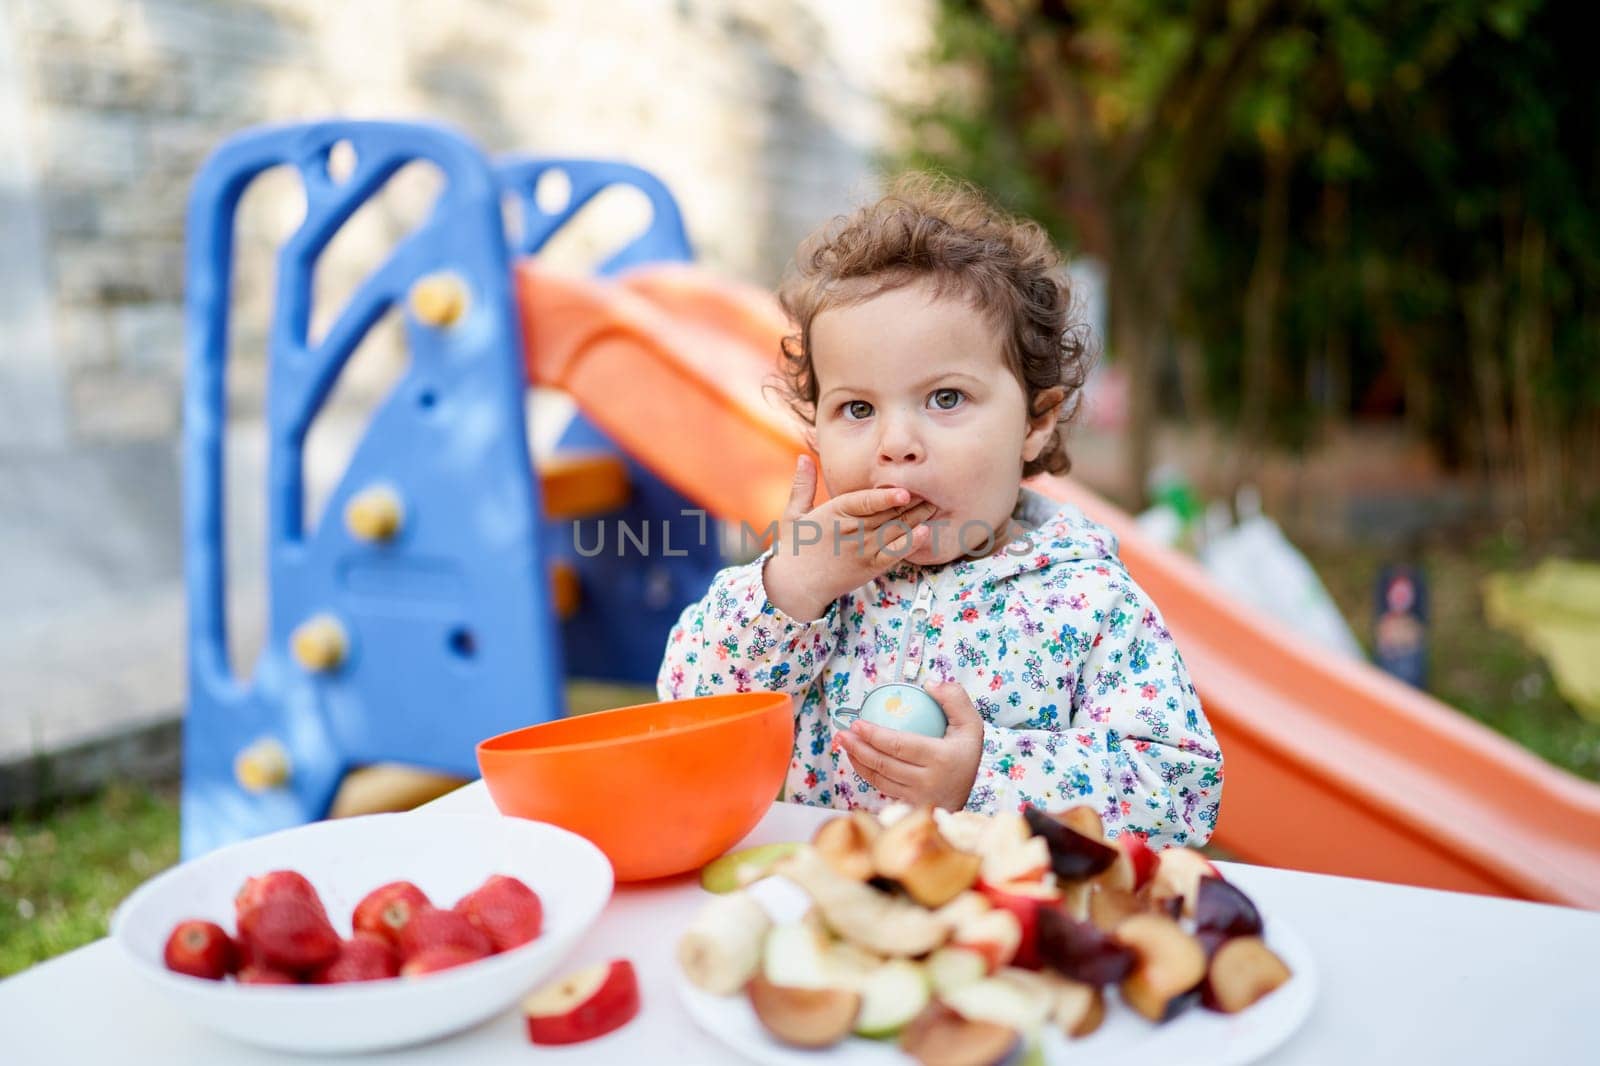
[(898, 443)]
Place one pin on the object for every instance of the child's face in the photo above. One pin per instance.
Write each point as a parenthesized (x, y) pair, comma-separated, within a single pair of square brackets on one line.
[(913, 391)]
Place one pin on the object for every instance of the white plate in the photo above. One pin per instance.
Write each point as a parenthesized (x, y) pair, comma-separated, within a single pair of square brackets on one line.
[(1194, 1038), (446, 855)]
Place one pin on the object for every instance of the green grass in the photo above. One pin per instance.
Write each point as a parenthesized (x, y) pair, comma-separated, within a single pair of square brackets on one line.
[(63, 871), (1489, 674)]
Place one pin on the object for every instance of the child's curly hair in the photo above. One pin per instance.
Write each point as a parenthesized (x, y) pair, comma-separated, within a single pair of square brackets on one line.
[(929, 226)]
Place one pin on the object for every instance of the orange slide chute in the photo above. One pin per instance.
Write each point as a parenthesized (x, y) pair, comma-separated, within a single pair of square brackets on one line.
[(1332, 766)]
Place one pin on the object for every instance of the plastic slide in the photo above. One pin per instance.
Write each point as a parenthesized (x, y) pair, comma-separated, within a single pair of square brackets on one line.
[(1331, 765)]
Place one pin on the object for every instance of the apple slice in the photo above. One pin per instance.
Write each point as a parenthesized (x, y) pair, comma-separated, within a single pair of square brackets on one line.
[(1023, 899), (878, 922), (963, 829), (739, 869), (1109, 907), (965, 906), (1171, 965), (848, 964), (1023, 860), (1083, 819), (994, 934), (894, 812), (1119, 875), (1080, 951), (804, 1017), (1079, 1009), (891, 996), (586, 1004), (940, 1036), (1004, 830), (1011, 1003), (914, 853), (1243, 971), (1137, 851), (1178, 874), (846, 843), (721, 949), (1073, 856), (796, 956), (1075, 897), (1220, 906), (1133, 866), (951, 967)]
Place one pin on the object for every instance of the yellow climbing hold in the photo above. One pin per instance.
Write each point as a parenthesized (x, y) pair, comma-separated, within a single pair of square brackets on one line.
[(374, 513), (262, 765), (439, 300), (319, 644)]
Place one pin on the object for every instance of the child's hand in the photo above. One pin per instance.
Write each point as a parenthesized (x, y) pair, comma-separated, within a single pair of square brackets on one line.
[(826, 551), (918, 769)]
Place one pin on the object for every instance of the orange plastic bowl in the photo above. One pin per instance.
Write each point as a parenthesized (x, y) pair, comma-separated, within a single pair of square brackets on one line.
[(660, 788)]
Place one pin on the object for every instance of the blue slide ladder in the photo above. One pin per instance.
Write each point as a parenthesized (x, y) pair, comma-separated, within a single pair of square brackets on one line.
[(415, 617)]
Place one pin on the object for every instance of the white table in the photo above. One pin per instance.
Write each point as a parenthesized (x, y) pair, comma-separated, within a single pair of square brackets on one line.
[(1408, 975)]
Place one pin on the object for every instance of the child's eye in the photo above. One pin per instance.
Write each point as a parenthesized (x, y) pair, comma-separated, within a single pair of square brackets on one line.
[(856, 410), (946, 399)]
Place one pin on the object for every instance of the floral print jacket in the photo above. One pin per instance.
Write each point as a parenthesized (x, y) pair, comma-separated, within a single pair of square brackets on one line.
[(1083, 693)]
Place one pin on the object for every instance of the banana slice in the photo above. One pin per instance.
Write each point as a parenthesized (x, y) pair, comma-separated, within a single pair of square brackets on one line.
[(721, 949)]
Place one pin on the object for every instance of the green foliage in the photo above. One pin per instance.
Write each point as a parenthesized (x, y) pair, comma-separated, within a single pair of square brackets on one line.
[(63, 872), (1443, 227)]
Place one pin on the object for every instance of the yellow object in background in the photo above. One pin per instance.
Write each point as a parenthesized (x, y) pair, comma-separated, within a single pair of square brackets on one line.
[(1555, 609)]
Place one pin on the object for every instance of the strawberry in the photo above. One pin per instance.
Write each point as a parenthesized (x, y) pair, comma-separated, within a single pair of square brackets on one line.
[(200, 949), (257, 889), (432, 960), (287, 932), (504, 908), (364, 957), (266, 975), (385, 911), (434, 928)]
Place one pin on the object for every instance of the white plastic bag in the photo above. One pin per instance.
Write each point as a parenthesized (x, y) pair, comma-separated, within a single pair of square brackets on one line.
[(1255, 562)]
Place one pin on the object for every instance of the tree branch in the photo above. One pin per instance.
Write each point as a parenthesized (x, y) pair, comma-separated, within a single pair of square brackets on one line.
[(1126, 156)]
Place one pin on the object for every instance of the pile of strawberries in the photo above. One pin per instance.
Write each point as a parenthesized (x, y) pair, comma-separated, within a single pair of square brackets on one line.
[(284, 936)]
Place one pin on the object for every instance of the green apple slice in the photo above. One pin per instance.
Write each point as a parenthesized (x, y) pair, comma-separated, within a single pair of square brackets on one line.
[(1000, 1001), (737, 869), (891, 996), (949, 968)]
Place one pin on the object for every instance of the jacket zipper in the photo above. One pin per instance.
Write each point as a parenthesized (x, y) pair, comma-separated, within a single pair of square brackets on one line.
[(916, 634)]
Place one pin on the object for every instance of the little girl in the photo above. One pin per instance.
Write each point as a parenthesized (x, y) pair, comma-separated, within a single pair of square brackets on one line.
[(936, 365)]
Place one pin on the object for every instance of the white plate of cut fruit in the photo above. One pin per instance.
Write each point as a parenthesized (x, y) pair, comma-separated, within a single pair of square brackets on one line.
[(966, 940), (365, 933)]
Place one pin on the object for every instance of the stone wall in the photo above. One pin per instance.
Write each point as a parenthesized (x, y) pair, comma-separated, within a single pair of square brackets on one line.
[(764, 116)]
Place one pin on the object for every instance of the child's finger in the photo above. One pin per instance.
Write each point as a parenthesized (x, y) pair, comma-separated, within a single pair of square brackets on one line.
[(911, 515), (876, 766), (913, 749), (892, 789), (864, 503), (961, 717), (901, 546), (803, 492)]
